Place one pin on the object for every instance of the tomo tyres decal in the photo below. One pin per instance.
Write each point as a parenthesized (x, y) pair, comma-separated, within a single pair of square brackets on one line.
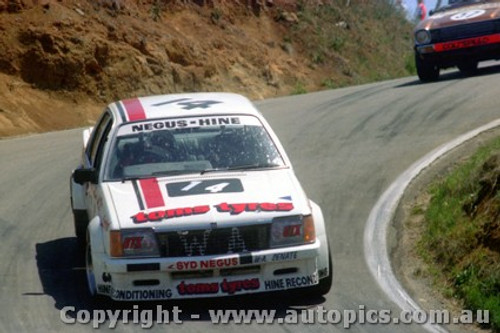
[(467, 15)]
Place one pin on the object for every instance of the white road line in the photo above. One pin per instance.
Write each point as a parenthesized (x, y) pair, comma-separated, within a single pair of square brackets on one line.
[(375, 236)]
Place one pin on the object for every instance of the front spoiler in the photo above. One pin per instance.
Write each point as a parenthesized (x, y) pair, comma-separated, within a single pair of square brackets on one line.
[(209, 276)]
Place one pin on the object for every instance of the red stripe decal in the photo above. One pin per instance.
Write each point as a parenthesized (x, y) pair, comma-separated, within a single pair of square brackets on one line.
[(134, 109), (466, 43), (152, 193)]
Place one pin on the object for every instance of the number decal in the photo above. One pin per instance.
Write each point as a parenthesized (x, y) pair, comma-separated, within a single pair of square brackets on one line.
[(212, 186), (190, 186), (467, 15), (188, 104), (216, 188)]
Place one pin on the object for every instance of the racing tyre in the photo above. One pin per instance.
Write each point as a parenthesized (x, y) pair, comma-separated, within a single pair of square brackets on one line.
[(81, 221), (89, 270), (426, 72), (468, 68)]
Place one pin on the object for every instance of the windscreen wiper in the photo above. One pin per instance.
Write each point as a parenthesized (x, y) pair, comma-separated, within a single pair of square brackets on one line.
[(253, 166)]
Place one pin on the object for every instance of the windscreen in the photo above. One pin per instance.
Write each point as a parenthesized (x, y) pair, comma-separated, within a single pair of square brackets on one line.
[(447, 4), (190, 145)]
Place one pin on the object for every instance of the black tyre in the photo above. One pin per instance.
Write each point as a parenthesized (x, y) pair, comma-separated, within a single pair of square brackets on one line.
[(427, 72), (81, 221)]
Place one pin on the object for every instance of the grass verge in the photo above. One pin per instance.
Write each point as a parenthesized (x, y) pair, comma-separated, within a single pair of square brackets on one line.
[(461, 239)]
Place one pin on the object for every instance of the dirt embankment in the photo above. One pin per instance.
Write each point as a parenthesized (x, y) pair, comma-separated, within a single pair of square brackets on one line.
[(63, 60)]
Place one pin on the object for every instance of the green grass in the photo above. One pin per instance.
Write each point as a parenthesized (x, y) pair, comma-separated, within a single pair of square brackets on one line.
[(299, 88), (373, 38), (460, 222)]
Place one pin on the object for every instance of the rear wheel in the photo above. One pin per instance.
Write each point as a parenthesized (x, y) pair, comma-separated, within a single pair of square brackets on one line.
[(427, 72)]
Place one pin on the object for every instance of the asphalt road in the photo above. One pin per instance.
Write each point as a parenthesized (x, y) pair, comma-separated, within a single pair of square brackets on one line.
[(347, 146)]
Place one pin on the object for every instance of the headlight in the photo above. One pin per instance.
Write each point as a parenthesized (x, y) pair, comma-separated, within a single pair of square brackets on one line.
[(133, 243), (292, 230), (422, 37)]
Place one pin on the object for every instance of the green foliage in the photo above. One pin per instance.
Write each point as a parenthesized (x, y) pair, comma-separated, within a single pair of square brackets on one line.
[(216, 15), (156, 9), (455, 243), (372, 38), (299, 88), (329, 84), (410, 64)]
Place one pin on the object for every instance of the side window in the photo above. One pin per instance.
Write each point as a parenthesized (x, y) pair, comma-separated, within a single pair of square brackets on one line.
[(98, 139), (102, 143)]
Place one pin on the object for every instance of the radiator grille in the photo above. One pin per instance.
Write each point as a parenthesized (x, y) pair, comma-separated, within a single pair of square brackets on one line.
[(214, 241), (465, 31)]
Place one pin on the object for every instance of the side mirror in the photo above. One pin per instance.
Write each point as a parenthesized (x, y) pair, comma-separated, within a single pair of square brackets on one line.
[(82, 176)]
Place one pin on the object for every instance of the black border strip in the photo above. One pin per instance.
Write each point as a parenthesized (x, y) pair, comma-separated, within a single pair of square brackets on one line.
[(121, 111), (138, 194)]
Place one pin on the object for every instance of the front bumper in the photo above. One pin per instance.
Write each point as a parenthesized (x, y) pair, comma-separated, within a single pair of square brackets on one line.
[(452, 53), (208, 276)]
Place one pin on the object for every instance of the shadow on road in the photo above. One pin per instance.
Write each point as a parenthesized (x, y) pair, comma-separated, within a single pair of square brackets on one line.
[(61, 267), (455, 75)]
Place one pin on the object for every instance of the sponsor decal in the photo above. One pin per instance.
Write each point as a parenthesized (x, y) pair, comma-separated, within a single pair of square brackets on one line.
[(230, 287), (238, 208), (291, 282), (132, 243), (233, 209), (226, 287), (205, 264), (204, 187), (465, 43), (467, 15), (104, 289), (157, 216), (323, 272), (292, 230), (184, 123), (285, 256), (189, 103), (130, 295), (197, 288), (259, 259)]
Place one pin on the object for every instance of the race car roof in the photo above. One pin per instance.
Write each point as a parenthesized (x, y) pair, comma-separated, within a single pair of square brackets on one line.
[(184, 105)]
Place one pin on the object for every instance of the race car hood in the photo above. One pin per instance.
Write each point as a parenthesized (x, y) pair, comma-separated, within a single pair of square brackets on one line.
[(461, 15), (210, 199)]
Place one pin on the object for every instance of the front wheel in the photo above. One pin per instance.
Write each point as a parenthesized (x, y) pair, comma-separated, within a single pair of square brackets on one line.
[(81, 221), (427, 72), (89, 269)]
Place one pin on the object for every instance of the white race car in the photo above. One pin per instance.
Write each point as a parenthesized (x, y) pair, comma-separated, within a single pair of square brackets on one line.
[(192, 195)]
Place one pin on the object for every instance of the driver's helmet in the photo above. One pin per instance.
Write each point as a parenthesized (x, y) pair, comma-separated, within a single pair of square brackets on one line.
[(163, 139)]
